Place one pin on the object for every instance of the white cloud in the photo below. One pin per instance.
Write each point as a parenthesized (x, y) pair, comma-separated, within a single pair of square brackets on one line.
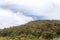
[(49, 9), (8, 18)]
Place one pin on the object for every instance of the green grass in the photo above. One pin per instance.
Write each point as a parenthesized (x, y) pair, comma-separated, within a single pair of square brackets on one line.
[(22, 38), (26, 38)]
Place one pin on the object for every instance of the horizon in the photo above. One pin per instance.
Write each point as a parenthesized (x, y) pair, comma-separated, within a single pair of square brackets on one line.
[(18, 12)]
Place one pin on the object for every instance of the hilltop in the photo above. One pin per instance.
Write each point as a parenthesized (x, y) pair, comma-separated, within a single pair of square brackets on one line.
[(34, 30)]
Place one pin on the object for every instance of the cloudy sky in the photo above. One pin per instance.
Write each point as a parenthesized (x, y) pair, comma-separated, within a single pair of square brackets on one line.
[(17, 12)]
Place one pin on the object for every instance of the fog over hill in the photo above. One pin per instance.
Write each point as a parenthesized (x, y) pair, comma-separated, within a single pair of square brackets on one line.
[(17, 12)]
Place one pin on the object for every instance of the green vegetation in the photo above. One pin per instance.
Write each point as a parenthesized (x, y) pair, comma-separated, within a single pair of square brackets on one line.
[(35, 30)]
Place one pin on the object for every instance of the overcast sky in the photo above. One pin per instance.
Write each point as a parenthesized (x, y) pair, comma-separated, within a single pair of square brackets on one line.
[(17, 12)]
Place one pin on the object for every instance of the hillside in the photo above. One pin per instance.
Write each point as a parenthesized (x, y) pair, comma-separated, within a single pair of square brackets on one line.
[(34, 30)]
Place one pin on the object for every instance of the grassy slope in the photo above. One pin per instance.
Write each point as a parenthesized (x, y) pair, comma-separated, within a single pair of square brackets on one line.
[(35, 30)]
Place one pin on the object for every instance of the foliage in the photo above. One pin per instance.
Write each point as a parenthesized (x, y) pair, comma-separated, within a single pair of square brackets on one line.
[(34, 30)]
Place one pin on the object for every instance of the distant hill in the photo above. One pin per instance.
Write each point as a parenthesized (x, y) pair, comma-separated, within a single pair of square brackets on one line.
[(47, 29)]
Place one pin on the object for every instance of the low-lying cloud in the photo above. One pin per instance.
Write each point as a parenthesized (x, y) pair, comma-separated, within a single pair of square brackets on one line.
[(8, 18), (17, 12)]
